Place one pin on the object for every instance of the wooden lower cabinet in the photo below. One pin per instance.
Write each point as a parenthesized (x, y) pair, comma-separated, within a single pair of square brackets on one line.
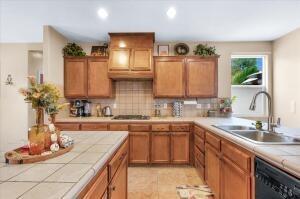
[(98, 189), (118, 186), (160, 148), (212, 170), (236, 183), (180, 144), (139, 147)]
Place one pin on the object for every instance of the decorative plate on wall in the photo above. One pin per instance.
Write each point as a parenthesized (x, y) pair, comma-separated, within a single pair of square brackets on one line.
[(181, 49)]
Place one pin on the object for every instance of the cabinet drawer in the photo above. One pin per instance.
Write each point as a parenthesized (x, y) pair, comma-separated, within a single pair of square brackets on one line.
[(93, 127), (199, 143), (160, 127), (180, 127), (200, 169), (117, 159), (68, 126), (99, 187), (118, 127), (213, 141), (139, 127), (240, 158), (199, 131), (200, 156)]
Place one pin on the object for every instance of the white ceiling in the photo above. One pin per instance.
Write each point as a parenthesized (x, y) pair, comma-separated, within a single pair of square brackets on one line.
[(202, 20)]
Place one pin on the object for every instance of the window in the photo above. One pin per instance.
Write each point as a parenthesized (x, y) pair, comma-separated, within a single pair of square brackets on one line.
[(248, 76)]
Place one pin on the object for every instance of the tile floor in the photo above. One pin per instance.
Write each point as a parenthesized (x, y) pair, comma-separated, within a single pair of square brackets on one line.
[(159, 182)]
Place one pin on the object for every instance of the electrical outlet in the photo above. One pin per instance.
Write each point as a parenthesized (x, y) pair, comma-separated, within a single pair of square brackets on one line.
[(208, 106), (114, 105), (199, 106), (165, 105)]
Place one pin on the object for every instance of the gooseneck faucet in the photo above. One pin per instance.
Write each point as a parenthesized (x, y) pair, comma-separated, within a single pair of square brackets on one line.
[(270, 117)]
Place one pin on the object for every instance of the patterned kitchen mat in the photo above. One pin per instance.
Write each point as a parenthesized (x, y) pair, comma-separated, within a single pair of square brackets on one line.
[(194, 192)]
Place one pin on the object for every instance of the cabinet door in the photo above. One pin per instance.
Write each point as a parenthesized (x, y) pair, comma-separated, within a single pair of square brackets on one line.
[(141, 59), (75, 77), (236, 183), (202, 77), (99, 85), (212, 170), (98, 189), (118, 185), (180, 147), (119, 59), (139, 147), (169, 77), (160, 148)]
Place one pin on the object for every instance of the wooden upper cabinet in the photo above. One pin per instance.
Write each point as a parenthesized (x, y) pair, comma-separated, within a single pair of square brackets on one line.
[(119, 59), (141, 59), (160, 148), (202, 77), (169, 77), (180, 147), (131, 55), (139, 147), (99, 85), (75, 77)]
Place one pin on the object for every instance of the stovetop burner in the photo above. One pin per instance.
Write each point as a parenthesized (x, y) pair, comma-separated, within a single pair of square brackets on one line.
[(131, 117)]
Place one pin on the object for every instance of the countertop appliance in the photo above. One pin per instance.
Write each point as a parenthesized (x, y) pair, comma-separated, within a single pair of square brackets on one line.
[(107, 112), (131, 117), (80, 108), (273, 183)]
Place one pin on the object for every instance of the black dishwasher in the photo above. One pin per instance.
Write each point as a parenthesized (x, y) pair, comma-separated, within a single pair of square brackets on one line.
[(273, 183)]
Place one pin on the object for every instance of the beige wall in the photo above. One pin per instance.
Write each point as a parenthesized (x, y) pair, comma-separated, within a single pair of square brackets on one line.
[(53, 62), (13, 114), (286, 58)]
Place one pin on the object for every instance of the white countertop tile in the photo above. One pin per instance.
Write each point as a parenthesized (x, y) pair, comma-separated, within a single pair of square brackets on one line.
[(9, 171), (53, 190), (37, 173), (88, 158), (14, 189)]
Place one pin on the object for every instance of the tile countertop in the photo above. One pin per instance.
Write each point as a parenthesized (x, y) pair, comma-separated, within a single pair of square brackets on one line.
[(286, 157), (64, 176)]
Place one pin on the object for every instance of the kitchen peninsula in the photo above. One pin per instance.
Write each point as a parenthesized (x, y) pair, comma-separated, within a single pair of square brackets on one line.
[(97, 161)]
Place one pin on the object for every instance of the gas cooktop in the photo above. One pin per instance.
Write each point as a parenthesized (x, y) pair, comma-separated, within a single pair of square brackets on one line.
[(131, 117)]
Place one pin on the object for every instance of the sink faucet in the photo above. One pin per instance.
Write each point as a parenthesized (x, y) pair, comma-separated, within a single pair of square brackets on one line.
[(252, 107)]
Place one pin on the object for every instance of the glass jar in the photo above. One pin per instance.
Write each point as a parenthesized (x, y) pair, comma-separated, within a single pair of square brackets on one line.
[(36, 139)]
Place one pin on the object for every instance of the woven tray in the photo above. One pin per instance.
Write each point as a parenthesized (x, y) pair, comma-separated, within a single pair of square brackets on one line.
[(21, 155)]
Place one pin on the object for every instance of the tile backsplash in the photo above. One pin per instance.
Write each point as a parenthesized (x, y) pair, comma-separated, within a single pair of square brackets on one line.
[(136, 97)]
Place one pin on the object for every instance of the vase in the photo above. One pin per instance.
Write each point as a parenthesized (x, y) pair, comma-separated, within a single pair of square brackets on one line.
[(36, 134)]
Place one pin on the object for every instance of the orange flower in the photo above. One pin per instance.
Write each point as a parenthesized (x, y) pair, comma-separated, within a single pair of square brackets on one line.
[(32, 80), (36, 95), (23, 91)]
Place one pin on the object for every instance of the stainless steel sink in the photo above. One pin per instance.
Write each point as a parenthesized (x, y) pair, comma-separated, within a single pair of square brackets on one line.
[(259, 137)]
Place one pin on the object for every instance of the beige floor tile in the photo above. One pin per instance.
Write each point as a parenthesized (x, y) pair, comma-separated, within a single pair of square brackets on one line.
[(2, 164), (63, 158), (57, 190), (37, 173), (10, 171), (159, 182), (69, 173), (14, 189), (99, 148), (87, 158)]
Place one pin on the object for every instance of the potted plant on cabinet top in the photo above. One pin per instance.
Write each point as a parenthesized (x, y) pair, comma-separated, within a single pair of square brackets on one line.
[(205, 50), (41, 97)]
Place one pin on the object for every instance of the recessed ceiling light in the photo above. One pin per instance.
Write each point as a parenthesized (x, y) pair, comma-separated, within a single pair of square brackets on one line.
[(102, 13), (171, 12)]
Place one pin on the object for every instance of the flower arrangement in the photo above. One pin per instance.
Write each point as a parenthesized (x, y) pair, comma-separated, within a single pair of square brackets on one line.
[(205, 50), (44, 96), (73, 49)]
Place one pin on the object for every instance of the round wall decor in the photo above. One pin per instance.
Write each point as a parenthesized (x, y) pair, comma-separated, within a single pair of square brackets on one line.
[(181, 49)]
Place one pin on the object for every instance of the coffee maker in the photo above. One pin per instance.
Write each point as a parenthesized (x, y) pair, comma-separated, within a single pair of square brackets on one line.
[(80, 108)]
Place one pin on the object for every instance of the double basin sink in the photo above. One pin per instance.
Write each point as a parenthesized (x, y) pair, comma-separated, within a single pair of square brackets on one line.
[(256, 136)]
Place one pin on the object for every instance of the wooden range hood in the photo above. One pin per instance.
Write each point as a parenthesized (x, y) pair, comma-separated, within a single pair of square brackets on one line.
[(131, 55)]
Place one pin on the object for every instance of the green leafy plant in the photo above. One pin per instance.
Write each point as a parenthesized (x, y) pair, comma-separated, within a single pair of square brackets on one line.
[(73, 49), (205, 50), (240, 76)]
